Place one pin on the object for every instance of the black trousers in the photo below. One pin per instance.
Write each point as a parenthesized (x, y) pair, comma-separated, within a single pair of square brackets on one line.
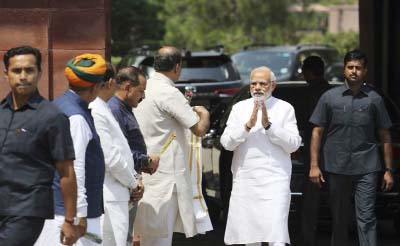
[(311, 199), (309, 212), (19, 230), (341, 191)]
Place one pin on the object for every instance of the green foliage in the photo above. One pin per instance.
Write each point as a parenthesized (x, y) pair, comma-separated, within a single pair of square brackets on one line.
[(336, 2), (344, 42), (234, 23), (115, 60), (133, 24), (198, 24)]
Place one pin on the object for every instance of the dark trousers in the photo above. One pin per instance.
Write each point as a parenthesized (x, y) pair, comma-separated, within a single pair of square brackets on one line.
[(341, 189), (309, 212), (311, 199), (225, 179), (132, 216), (19, 230)]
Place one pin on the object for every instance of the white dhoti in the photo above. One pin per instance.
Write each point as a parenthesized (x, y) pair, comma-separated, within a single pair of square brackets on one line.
[(115, 223), (258, 212), (261, 168), (172, 214), (203, 222), (52, 228)]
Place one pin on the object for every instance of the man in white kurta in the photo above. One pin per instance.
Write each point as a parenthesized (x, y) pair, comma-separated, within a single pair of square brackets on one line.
[(167, 203), (120, 173), (262, 132)]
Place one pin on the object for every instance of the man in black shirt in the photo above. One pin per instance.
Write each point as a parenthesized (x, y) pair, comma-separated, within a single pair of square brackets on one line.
[(313, 70), (34, 141), (352, 116)]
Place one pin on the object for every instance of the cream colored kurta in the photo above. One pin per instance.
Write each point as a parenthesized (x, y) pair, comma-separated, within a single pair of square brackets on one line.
[(163, 112), (261, 167)]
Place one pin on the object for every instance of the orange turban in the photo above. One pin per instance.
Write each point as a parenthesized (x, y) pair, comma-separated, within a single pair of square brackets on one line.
[(85, 70)]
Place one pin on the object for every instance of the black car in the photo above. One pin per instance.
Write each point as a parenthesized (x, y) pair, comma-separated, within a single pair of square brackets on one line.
[(286, 61), (209, 75), (218, 180)]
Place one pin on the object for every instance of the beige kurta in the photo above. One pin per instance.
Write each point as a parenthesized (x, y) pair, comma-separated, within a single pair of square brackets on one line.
[(261, 167), (163, 112)]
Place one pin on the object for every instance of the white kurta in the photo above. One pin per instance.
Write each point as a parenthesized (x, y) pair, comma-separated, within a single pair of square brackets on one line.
[(120, 170), (261, 167), (163, 112), (119, 176)]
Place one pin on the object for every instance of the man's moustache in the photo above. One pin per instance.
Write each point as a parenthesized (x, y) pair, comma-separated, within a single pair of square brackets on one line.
[(259, 93)]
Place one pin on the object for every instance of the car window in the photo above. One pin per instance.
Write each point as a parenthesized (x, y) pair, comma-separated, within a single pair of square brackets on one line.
[(279, 62), (146, 65), (334, 72), (208, 69), (333, 66), (199, 69)]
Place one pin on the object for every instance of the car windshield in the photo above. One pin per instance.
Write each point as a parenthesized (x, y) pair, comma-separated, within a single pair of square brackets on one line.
[(279, 62), (207, 69), (199, 69)]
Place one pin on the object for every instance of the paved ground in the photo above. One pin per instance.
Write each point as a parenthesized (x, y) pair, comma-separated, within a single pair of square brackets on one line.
[(386, 234)]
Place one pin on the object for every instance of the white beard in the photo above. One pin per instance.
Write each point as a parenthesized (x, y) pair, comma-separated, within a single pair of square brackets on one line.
[(261, 96)]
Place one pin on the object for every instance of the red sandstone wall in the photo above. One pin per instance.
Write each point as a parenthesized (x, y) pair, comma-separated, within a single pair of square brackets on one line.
[(61, 29)]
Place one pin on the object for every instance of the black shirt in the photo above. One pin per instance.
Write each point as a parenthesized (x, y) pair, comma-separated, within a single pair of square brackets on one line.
[(314, 92), (32, 139), (351, 124)]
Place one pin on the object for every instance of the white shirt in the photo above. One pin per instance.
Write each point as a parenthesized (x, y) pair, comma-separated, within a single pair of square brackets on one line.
[(163, 112), (81, 135), (261, 167), (120, 172)]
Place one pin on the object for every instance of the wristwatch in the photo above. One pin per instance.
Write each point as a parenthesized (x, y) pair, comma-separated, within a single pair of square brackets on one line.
[(269, 125), (145, 162), (75, 221), (389, 169)]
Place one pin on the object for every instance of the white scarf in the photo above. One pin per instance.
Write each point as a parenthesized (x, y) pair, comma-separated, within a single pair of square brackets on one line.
[(203, 222)]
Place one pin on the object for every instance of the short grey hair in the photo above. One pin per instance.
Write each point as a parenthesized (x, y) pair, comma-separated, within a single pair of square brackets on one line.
[(272, 77), (265, 69)]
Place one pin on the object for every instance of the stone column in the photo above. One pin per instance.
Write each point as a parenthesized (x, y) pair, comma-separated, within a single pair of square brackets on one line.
[(61, 29)]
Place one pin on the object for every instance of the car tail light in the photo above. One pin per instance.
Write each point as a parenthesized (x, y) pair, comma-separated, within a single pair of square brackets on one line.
[(229, 91)]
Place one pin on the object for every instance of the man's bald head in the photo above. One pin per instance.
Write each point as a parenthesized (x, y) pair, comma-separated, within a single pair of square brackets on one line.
[(167, 58)]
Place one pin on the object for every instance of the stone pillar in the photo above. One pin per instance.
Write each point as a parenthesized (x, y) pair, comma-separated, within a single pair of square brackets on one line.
[(61, 29)]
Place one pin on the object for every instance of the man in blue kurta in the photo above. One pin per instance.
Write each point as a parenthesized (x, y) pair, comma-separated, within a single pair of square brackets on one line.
[(84, 73)]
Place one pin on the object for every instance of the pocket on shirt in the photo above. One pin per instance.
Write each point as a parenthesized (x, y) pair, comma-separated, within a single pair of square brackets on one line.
[(361, 115), (20, 140), (338, 115)]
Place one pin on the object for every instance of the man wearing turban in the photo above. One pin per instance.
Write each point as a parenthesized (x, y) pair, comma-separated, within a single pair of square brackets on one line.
[(84, 73)]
